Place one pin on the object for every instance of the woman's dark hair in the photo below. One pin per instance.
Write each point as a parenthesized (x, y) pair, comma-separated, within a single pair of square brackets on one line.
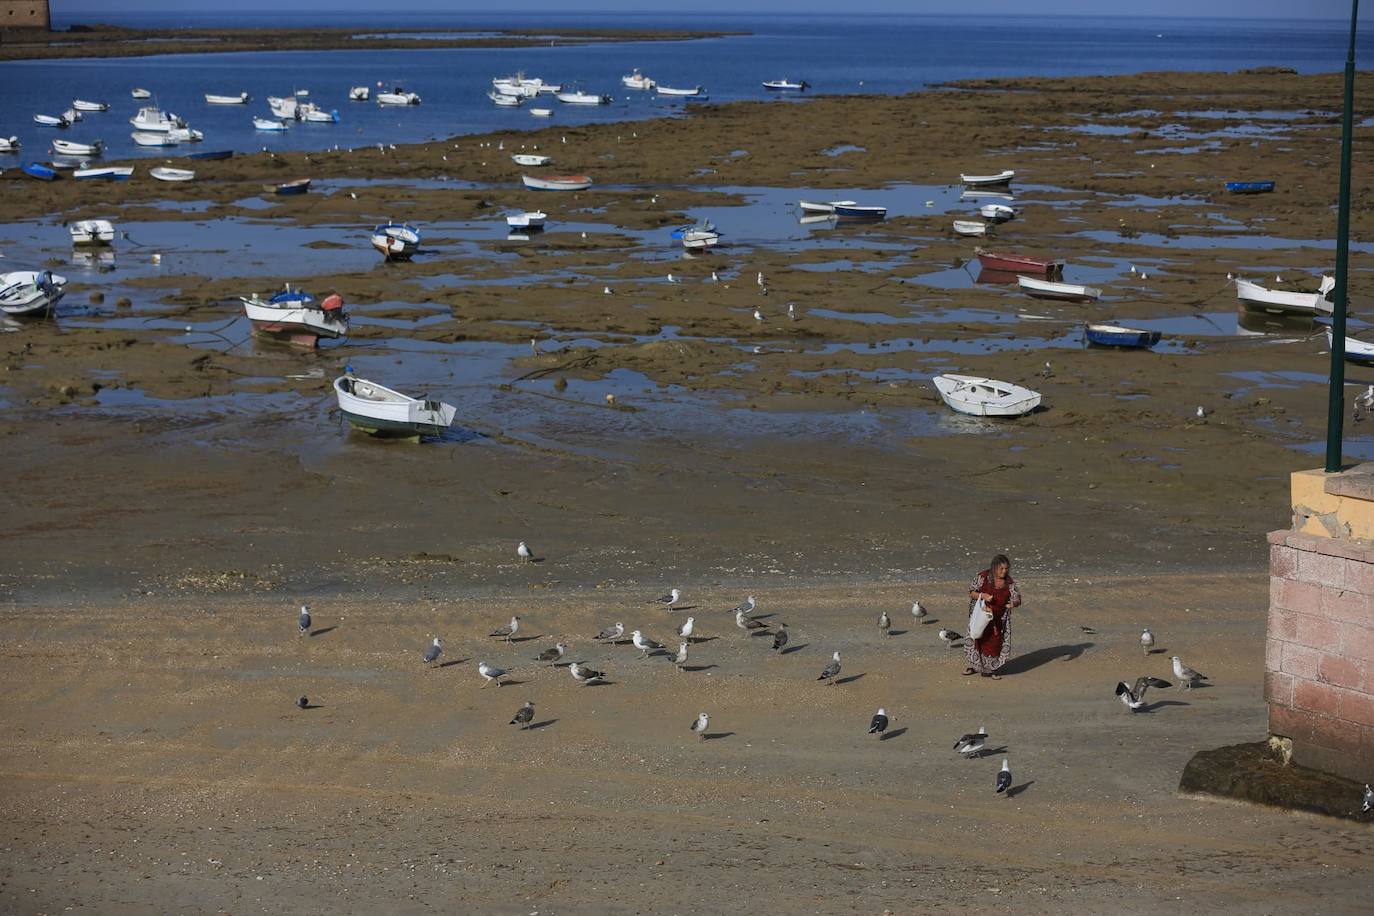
[(1000, 558)]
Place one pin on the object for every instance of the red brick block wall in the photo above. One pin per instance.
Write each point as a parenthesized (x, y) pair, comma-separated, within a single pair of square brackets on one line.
[(1319, 655)]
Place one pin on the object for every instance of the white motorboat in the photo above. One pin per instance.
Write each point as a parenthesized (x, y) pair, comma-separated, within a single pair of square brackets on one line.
[(970, 227), (92, 232), (380, 411), (697, 237), (680, 93), (637, 80), (294, 314), (542, 112), (582, 98), (397, 96), (985, 397), (1356, 350), (786, 86), (1278, 302), (145, 139), (1048, 289), (240, 99), (523, 85), (997, 213), (108, 173), (286, 108), (359, 94), (505, 101), (141, 94), (527, 219), (317, 115), (154, 120), (30, 292), (815, 206), (530, 159), (270, 124), (72, 148), (59, 122), (398, 242), (164, 173), (1002, 177), (847, 209), (557, 183), (9, 144), (84, 105)]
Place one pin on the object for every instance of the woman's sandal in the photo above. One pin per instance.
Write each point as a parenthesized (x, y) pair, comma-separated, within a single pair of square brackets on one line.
[(968, 671)]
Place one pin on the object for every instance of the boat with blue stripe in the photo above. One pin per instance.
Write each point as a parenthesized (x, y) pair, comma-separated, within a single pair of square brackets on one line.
[(1111, 335), (1249, 187)]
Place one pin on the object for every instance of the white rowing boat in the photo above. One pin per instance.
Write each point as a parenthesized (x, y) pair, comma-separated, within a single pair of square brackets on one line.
[(1067, 292), (1357, 351), (970, 227), (380, 411), (531, 160), (996, 213), (240, 99), (1000, 178), (92, 232), (985, 397), (527, 219), (557, 183), (165, 173), (1278, 302)]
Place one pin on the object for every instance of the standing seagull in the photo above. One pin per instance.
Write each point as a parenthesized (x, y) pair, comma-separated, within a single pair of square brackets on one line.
[(879, 723), (509, 630), (681, 658), (1004, 777), (830, 670), (884, 624), (524, 716), (304, 620), (1147, 640), (972, 744), (748, 623), (699, 726), (644, 644), (685, 631), (553, 654), (1133, 696), (1187, 675), (1368, 799), (435, 650), (760, 278), (780, 638), (669, 599), (950, 637), (491, 673), (585, 675), (612, 633), (758, 316), (523, 551), (918, 612), (746, 607)]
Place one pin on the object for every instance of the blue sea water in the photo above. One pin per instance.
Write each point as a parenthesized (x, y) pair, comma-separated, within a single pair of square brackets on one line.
[(837, 55)]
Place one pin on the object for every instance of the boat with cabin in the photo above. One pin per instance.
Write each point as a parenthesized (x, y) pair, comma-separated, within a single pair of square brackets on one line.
[(295, 316), (786, 85)]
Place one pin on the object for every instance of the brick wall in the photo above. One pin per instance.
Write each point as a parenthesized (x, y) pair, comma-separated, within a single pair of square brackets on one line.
[(1319, 656)]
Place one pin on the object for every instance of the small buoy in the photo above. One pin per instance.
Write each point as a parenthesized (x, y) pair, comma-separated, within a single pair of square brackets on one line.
[(610, 399)]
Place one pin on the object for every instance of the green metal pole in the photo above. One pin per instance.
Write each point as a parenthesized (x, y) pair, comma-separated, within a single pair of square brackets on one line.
[(1335, 412)]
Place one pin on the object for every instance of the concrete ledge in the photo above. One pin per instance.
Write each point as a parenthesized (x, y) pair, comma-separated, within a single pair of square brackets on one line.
[(1254, 773)]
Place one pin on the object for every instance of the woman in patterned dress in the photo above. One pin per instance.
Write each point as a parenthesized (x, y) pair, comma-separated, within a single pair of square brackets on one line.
[(998, 590)]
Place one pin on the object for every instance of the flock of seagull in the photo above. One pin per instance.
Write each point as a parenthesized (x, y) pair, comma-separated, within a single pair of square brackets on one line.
[(969, 746)]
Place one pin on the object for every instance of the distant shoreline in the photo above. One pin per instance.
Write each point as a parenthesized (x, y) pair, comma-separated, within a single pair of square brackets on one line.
[(117, 41)]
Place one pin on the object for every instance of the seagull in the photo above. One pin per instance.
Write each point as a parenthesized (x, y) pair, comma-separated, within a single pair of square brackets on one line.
[(1368, 799), (435, 650), (791, 311), (612, 633), (644, 644), (681, 658), (1004, 777), (508, 630), (669, 599), (758, 316), (780, 638), (671, 278), (714, 278), (685, 631), (491, 673), (884, 624), (745, 607), (879, 723), (972, 744), (553, 653), (918, 611), (830, 670), (524, 552), (1147, 640), (760, 278), (1133, 696), (534, 346), (1278, 278), (304, 703), (523, 717), (1133, 272), (748, 623), (1187, 675), (1144, 275), (304, 620), (1201, 412), (699, 726), (950, 636), (1047, 371), (585, 675), (606, 290)]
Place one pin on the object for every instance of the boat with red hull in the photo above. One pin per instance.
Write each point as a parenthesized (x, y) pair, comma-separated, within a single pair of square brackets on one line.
[(293, 315), (1017, 263)]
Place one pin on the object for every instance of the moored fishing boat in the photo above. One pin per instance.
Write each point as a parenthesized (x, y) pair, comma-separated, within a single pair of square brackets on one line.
[(142, 138), (9, 144), (815, 206), (970, 227), (398, 242), (30, 292), (164, 173), (212, 154), (39, 170), (317, 115), (185, 135), (294, 315), (1066, 292), (1249, 187), (60, 122), (851, 210), (299, 186), (92, 232), (530, 159), (786, 86), (359, 94), (502, 100), (996, 213), (240, 99), (84, 105), (582, 98), (151, 119), (637, 80), (141, 94), (698, 237), (542, 112), (557, 183), (1111, 335), (527, 219), (694, 92), (1356, 350), (985, 397), (72, 148), (380, 411), (1002, 177), (107, 173), (287, 108), (1279, 302), (397, 96), (270, 124), (1018, 263)]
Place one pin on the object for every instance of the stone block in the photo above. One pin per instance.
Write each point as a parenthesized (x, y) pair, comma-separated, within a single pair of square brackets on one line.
[(1357, 642), (1342, 672), (1316, 697), (1283, 625), (1303, 597), (1299, 661), (1290, 723), (1359, 577), (1347, 607), (1278, 688), (1321, 569), (1283, 561), (1355, 707), (1318, 632)]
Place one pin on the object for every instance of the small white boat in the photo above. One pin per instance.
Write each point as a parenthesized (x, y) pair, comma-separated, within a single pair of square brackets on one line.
[(505, 101), (398, 242), (302, 93), (92, 232), (359, 94), (637, 80), (165, 173), (1000, 178), (108, 173), (985, 397), (72, 148), (397, 96), (557, 183), (680, 93), (240, 99), (582, 98), (83, 105), (141, 94), (970, 227), (146, 139), (786, 86), (1278, 302), (43, 120), (529, 159), (9, 144), (270, 124), (698, 237), (996, 213), (286, 108), (1357, 351), (527, 219), (1048, 289), (542, 112), (154, 120), (294, 314), (30, 292), (378, 410), (815, 206), (185, 135), (317, 115)]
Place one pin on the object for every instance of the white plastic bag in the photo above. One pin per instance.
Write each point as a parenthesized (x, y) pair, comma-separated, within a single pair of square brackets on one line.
[(978, 619)]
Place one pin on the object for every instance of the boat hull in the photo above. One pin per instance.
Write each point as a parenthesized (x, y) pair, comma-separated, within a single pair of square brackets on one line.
[(301, 325), (980, 397), (1020, 264), (379, 411), (30, 293), (557, 183), (1249, 187), (1256, 298), (39, 171), (113, 173), (1121, 338), (976, 181), (1063, 292)]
